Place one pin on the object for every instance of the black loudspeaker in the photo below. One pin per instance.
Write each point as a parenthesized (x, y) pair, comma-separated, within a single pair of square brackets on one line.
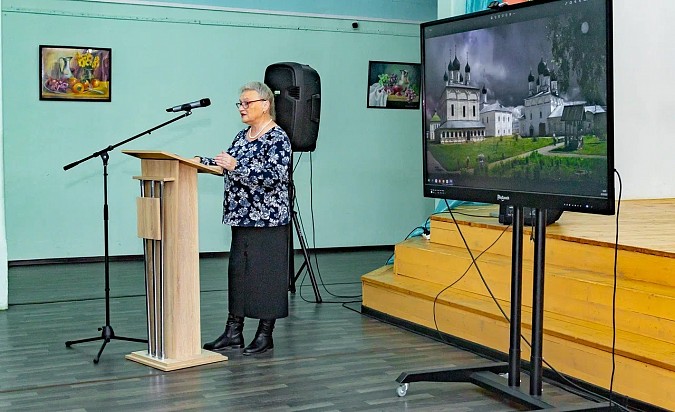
[(529, 216), (297, 98)]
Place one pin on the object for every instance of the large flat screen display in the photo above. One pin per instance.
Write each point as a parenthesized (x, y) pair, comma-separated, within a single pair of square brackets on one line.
[(518, 106)]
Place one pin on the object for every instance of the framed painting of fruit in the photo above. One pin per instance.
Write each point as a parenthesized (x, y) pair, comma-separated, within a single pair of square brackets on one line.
[(75, 73), (394, 85)]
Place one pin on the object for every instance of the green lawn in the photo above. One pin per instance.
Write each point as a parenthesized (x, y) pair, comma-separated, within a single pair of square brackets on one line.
[(457, 156), (558, 168), (592, 146)]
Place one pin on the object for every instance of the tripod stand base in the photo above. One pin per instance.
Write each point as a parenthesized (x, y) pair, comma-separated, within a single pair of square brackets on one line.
[(107, 334), (203, 358), (307, 264)]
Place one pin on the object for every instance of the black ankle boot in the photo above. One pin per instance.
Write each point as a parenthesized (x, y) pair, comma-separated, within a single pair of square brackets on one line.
[(232, 337), (263, 338)]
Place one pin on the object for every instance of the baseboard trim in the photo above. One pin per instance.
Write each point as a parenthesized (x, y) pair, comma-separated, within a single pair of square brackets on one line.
[(202, 255), (73, 260)]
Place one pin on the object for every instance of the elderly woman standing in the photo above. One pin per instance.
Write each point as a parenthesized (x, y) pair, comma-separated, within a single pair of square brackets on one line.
[(256, 206)]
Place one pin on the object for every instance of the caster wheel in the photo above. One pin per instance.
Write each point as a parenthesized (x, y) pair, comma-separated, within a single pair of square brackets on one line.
[(402, 389)]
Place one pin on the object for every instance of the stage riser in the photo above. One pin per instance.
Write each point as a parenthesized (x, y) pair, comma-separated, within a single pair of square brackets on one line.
[(584, 296), (412, 300), (628, 343), (579, 279), (573, 254)]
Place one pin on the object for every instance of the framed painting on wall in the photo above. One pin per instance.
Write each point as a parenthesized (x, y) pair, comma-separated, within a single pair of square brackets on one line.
[(75, 73), (394, 85)]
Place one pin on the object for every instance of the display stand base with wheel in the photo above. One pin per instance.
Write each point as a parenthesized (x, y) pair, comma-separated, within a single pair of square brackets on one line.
[(488, 375)]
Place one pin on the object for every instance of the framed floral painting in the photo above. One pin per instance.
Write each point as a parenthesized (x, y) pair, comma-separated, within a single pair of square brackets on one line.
[(75, 73), (394, 85)]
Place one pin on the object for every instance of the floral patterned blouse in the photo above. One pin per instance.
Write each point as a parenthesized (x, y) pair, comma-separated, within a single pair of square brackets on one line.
[(256, 191)]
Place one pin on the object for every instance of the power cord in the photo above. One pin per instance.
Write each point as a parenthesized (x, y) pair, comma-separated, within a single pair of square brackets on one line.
[(472, 215), (316, 261), (475, 263), (616, 259), (425, 232)]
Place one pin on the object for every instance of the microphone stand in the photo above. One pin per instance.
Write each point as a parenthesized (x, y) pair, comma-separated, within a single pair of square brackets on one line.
[(107, 333)]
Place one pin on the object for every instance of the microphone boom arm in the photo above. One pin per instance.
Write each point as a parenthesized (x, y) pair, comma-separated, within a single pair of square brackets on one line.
[(112, 147)]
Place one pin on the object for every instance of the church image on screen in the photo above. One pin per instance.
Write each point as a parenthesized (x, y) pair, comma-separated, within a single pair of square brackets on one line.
[(518, 105)]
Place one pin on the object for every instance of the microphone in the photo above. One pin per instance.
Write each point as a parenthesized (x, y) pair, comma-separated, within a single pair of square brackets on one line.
[(190, 106)]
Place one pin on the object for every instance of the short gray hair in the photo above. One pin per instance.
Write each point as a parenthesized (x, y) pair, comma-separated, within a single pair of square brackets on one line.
[(265, 93)]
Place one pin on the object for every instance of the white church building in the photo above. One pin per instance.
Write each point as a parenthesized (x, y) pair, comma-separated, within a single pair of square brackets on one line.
[(459, 120), (541, 102)]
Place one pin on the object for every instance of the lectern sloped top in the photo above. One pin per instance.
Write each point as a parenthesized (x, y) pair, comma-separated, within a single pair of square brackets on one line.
[(161, 155)]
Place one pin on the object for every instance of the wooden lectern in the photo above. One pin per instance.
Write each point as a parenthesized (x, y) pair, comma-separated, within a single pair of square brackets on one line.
[(168, 224)]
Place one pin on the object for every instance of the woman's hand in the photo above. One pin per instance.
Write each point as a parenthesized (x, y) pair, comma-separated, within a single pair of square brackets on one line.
[(226, 161)]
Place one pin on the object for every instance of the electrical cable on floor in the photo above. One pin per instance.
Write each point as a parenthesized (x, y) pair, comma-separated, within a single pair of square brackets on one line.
[(567, 380)]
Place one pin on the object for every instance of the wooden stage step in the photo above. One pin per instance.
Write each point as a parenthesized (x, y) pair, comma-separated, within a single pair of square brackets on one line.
[(646, 308), (579, 285)]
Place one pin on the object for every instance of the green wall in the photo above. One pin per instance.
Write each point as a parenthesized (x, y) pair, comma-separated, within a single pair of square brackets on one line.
[(450, 8), (4, 273), (365, 174), (408, 10)]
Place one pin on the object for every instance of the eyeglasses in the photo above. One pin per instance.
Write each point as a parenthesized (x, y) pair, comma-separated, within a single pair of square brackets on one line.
[(246, 104)]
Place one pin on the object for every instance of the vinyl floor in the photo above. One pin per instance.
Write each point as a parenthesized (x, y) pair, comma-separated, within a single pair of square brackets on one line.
[(327, 357)]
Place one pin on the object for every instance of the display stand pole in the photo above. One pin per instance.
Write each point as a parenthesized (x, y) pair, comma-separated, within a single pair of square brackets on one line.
[(486, 375)]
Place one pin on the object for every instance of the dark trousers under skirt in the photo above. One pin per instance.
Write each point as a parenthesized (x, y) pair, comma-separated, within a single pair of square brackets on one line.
[(258, 272)]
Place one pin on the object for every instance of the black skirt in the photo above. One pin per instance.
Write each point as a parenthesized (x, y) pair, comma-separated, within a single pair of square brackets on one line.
[(258, 272)]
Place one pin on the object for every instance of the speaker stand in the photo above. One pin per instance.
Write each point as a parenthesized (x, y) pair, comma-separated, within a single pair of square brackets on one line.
[(307, 263)]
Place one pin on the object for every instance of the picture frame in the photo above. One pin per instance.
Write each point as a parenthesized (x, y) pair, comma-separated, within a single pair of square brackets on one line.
[(394, 85), (71, 73)]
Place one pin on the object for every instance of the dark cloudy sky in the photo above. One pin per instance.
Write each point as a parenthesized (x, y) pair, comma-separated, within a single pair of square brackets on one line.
[(500, 59)]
